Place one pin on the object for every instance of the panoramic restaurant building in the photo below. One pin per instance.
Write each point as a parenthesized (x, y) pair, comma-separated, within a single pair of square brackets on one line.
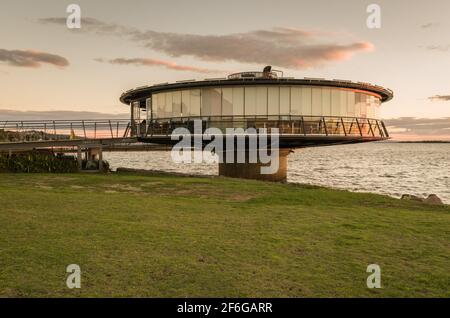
[(306, 112)]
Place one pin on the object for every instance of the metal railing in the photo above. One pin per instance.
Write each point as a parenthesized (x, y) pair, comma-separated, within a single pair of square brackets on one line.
[(40, 130), (34, 130), (286, 125)]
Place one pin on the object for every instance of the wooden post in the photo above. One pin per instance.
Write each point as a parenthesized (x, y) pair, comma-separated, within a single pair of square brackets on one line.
[(79, 158), (100, 158)]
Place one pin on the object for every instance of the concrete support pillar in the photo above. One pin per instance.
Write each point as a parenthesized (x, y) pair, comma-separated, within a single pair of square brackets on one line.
[(253, 170), (94, 154)]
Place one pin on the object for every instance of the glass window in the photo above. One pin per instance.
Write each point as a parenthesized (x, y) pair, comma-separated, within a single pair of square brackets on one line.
[(155, 105), (370, 111), (296, 100), (216, 102), (377, 107), (186, 103), (273, 98), (238, 101), (148, 106), (227, 101), (343, 95), (364, 105), (306, 101), (285, 100), (176, 104), (351, 100), (358, 99), (206, 102), (250, 101), (195, 102), (326, 101), (261, 101), (374, 106), (168, 112), (316, 102), (135, 111), (162, 105), (335, 102), (368, 104)]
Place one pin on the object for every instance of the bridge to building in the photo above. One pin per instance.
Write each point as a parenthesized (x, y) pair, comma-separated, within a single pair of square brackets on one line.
[(88, 138)]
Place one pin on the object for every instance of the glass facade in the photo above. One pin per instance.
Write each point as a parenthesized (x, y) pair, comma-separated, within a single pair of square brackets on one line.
[(264, 101)]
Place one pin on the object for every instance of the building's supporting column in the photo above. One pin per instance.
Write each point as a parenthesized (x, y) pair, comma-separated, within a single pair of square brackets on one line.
[(94, 154), (253, 170)]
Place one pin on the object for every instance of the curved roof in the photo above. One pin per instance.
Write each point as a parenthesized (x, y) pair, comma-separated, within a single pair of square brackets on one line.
[(143, 92)]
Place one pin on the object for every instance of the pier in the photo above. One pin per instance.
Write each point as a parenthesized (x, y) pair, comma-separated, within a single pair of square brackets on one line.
[(88, 139)]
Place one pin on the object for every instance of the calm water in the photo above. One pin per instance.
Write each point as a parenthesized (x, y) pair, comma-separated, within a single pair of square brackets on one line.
[(388, 168)]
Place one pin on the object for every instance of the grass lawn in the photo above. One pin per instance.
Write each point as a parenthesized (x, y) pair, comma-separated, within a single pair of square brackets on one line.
[(167, 236)]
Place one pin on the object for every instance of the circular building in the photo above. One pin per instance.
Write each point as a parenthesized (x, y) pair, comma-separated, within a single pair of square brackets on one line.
[(305, 112)]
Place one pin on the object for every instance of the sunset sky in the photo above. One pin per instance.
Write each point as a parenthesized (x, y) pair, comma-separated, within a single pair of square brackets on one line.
[(44, 66)]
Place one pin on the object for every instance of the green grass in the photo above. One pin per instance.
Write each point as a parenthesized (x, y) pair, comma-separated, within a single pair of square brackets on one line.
[(165, 236)]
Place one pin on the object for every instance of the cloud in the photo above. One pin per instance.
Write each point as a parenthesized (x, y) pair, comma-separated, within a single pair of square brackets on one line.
[(284, 47), (419, 128), (430, 25), (440, 48), (444, 98), (154, 62), (30, 58)]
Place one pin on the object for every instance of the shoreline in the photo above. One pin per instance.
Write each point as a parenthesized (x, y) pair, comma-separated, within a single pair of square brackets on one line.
[(155, 172)]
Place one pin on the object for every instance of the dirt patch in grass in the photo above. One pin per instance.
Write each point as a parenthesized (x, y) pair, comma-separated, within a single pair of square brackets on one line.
[(242, 197), (152, 183), (123, 187), (57, 179), (207, 192), (44, 186)]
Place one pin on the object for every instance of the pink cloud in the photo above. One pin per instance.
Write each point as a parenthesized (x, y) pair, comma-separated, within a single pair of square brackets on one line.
[(31, 58), (282, 46), (155, 62)]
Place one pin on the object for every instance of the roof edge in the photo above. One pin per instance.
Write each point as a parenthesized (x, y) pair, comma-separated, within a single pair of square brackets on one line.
[(143, 91)]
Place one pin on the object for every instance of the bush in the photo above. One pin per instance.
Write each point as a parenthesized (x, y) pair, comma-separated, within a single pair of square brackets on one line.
[(37, 162)]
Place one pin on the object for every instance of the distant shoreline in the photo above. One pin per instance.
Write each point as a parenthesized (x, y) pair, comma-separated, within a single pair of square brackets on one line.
[(421, 141)]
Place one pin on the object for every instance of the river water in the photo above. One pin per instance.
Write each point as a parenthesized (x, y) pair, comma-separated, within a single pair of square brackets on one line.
[(383, 167)]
